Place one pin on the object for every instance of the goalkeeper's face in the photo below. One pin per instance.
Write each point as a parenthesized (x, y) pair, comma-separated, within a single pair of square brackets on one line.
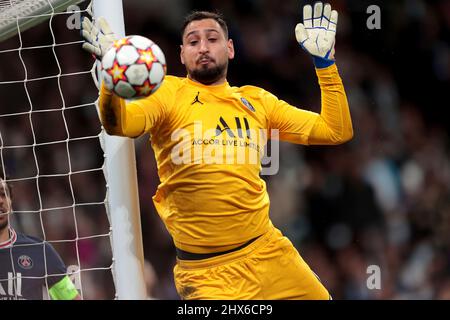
[(205, 51), (5, 204)]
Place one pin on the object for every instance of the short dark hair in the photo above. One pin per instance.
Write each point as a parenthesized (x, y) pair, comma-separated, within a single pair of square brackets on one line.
[(201, 15)]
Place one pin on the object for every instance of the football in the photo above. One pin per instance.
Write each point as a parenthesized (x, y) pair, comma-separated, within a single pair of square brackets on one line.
[(134, 67)]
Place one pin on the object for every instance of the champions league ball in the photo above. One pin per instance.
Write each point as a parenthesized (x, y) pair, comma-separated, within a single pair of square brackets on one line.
[(134, 67)]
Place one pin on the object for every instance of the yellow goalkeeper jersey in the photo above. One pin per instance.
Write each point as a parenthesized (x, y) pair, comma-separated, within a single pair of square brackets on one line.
[(208, 141)]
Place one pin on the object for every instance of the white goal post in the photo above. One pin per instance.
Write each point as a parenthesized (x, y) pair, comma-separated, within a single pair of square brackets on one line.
[(119, 168), (120, 165)]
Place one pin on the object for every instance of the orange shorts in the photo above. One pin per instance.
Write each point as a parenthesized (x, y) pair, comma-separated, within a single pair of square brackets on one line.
[(269, 268)]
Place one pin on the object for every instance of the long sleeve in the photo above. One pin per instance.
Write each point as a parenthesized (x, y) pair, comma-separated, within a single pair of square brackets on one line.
[(136, 117), (118, 118), (334, 124)]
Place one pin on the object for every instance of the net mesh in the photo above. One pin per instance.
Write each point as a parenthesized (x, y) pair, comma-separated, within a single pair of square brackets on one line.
[(50, 148), (27, 13)]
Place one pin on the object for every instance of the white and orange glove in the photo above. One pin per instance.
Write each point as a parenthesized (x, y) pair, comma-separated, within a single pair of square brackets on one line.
[(316, 35)]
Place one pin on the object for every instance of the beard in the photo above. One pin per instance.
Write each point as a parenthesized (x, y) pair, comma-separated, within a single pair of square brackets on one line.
[(208, 75), (4, 223)]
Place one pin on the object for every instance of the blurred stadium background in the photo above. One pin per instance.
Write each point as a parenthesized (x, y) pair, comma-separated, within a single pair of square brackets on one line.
[(382, 199)]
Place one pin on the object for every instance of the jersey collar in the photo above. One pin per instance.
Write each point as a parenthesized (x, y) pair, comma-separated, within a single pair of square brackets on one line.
[(214, 88), (12, 239)]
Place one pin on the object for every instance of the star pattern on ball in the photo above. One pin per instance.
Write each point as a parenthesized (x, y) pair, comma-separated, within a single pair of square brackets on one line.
[(133, 67), (147, 57), (145, 89), (117, 72), (121, 42)]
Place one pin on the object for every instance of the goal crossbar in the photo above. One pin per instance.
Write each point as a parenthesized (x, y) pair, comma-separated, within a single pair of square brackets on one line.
[(21, 15)]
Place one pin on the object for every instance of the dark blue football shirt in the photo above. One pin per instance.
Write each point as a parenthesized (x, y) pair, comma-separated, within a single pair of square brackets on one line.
[(26, 270)]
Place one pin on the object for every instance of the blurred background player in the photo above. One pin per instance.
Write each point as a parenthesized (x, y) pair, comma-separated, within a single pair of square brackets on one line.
[(25, 273), (218, 214)]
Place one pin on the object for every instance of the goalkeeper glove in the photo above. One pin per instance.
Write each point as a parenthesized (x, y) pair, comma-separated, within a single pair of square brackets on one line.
[(316, 35), (98, 37)]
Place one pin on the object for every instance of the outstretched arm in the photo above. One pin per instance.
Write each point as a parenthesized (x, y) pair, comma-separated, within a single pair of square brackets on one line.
[(334, 124), (317, 36), (119, 117)]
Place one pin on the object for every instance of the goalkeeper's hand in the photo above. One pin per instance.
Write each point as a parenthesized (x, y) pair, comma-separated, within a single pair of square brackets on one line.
[(98, 37), (316, 34)]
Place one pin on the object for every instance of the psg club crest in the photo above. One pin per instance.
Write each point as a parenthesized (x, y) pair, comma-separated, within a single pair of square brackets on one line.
[(248, 104), (25, 262)]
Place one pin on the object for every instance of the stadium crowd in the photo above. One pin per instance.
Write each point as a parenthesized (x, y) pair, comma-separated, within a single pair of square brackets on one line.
[(383, 199)]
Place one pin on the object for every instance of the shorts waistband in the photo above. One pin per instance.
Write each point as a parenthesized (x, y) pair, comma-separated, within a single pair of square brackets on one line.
[(227, 257), (185, 255)]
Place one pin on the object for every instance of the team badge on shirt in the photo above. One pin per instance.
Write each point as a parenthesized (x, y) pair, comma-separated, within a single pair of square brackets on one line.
[(248, 104), (25, 262)]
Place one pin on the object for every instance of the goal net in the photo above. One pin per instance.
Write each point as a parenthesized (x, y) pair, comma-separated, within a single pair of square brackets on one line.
[(51, 140)]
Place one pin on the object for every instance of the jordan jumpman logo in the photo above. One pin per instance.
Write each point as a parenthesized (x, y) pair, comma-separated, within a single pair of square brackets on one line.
[(196, 99)]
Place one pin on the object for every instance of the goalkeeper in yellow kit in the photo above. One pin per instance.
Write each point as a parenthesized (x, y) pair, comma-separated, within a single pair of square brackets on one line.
[(218, 212)]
